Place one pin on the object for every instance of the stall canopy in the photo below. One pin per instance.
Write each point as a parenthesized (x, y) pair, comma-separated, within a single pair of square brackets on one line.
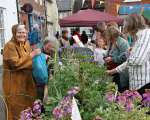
[(87, 18)]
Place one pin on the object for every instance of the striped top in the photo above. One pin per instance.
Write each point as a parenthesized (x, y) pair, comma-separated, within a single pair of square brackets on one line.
[(138, 63)]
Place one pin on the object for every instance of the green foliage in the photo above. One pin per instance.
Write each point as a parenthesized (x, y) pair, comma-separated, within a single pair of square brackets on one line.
[(91, 79), (93, 83), (115, 112)]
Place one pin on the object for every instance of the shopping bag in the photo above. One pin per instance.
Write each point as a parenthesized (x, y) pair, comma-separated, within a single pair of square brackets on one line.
[(40, 69)]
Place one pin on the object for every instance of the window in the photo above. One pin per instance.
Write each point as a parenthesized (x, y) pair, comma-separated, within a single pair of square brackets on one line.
[(36, 1), (41, 2), (2, 38)]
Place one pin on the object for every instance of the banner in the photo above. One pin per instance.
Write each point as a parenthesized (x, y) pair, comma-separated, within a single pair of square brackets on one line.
[(78, 41)]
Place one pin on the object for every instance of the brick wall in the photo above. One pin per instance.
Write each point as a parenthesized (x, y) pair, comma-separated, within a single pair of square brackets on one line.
[(36, 6), (38, 11)]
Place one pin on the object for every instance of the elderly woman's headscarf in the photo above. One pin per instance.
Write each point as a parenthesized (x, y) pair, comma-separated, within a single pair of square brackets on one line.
[(15, 28), (14, 31)]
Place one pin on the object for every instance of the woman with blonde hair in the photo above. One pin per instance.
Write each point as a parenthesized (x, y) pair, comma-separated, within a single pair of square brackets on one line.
[(18, 85), (138, 63), (116, 55)]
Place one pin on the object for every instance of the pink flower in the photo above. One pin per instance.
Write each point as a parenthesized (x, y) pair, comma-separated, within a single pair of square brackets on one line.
[(64, 108), (36, 108), (73, 91), (146, 99), (32, 113), (133, 95), (26, 114), (121, 100), (129, 105), (110, 97), (57, 113)]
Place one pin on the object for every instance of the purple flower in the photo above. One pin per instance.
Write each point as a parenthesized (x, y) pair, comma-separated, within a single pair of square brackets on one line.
[(146, 99), (110, 97), (136, 95), (133, 95), (92, 60), (32, 113), (126, 99), (58, 113), (129, 105), (73, 91), (26, 114), (121, 100), (127, 93), (64, 108), (36, 108)]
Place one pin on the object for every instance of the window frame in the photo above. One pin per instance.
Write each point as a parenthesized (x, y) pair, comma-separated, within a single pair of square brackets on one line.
[(2, 28)]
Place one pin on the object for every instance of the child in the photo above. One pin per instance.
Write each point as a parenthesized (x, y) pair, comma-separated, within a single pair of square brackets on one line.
[(100, 52)]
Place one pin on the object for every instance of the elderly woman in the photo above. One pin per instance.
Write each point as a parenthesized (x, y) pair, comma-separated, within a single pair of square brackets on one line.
[(18, 85), (50, 46), (117, 55), (138, 63)]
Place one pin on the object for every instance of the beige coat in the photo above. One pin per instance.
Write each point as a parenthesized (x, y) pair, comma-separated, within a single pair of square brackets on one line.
[(18, 85)]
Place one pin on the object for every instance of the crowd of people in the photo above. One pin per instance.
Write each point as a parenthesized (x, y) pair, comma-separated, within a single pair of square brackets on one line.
[(126, 54)]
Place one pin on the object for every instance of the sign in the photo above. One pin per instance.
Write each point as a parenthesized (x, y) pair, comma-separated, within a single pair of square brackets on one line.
[(27, 8), (132, 0), (77, 40)]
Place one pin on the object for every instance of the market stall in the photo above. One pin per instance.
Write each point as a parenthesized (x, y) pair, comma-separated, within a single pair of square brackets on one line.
[(87, 18)]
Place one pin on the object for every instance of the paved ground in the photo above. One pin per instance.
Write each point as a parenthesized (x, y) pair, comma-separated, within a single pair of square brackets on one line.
[(0, 79)]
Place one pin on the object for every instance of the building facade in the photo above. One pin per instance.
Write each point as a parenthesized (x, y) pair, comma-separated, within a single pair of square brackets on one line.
[(137, 6), (65, 8), (37, 16), (8, 17), (52, 17), (124, 7)]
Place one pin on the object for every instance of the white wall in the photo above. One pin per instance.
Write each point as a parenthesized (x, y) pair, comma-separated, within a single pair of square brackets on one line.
[(52, 17), (10, 18)]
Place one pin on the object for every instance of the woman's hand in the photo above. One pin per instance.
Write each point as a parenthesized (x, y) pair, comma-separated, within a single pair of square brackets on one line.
[(108, 59), (128, 52), (35, 52), (47, 57), (45, 99), (111, 72)]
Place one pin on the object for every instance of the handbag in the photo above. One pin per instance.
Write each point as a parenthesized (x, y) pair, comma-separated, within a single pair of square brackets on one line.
[(111, 65)]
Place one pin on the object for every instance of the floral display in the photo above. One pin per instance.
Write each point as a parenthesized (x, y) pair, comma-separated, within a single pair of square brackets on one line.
[(32, 113), (97, 96), (64, 109), (146, 99), (128, 99)]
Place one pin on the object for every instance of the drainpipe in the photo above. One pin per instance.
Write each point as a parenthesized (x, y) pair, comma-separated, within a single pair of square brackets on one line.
[(17, 3), (45, 15)]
